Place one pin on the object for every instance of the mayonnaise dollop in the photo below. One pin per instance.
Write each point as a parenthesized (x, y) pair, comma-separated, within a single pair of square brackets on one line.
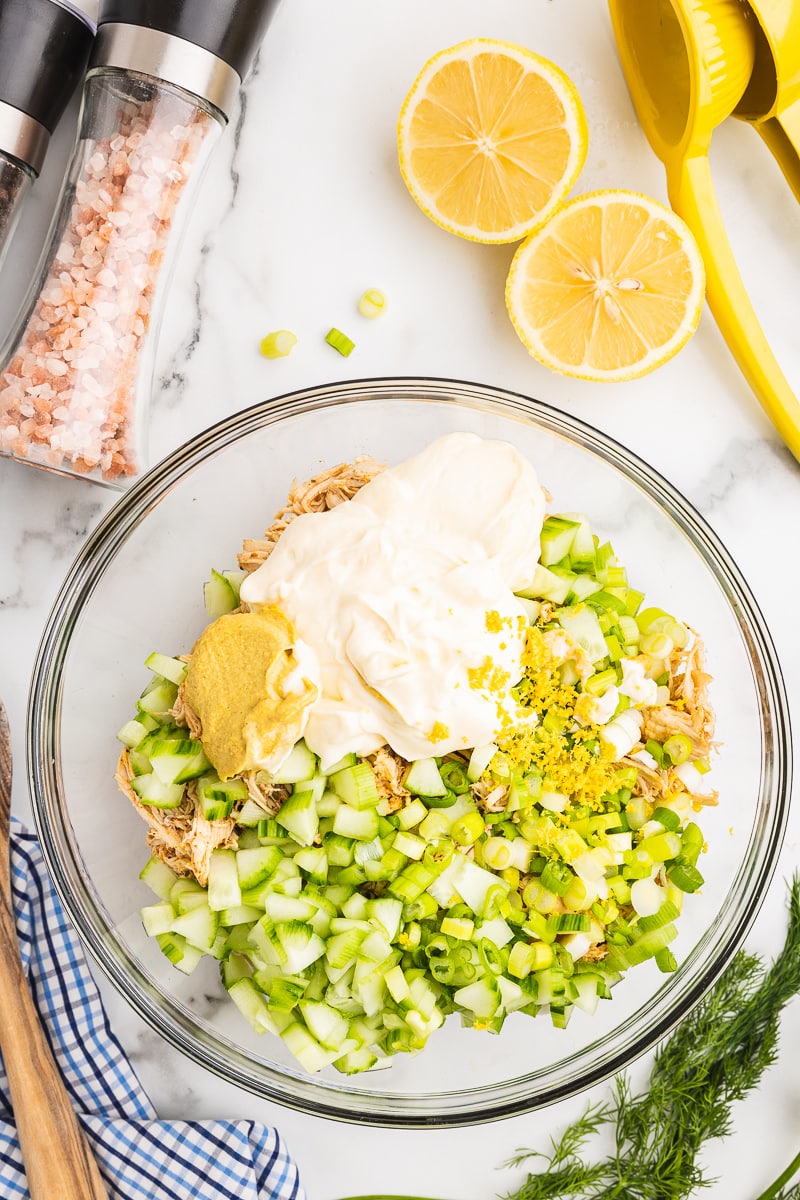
[(405, 596)]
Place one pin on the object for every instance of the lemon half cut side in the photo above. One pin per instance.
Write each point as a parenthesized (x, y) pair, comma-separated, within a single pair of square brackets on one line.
[(491, 138), (609, 289)]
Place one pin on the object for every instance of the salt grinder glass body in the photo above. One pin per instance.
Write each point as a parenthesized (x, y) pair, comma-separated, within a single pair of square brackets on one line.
[(15, 180), (44, 45), (76, 375)]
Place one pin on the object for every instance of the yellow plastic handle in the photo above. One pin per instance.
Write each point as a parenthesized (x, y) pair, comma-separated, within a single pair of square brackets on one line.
[(692, 195), (782, 135)]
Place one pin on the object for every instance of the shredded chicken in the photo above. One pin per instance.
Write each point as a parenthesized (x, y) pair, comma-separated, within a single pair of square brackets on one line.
[(688, 710), (690, 687), (388, 768), (270, 796), (184, 714), (319, 494), (181, 837), (489, 797)]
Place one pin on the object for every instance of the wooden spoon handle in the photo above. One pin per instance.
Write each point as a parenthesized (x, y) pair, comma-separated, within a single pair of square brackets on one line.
[(58, 1162)]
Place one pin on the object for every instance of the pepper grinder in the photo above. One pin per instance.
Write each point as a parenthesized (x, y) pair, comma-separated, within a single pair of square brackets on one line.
[(44, 45), (76, 375)]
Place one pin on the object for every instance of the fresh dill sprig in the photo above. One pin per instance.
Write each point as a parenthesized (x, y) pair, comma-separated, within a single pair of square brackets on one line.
[(714, 1058)]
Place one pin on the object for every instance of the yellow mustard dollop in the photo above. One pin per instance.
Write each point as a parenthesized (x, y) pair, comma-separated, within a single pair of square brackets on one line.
[(246, 686)]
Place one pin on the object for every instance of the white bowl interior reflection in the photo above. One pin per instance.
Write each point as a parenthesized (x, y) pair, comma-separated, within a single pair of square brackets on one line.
[(138, 587)]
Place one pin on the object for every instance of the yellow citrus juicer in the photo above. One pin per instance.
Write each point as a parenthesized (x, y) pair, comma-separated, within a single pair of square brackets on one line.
[(689, 64), (772, 99)]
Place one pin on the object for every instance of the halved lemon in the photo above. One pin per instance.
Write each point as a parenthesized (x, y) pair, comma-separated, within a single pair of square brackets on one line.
[(609, 289), (491, 138)]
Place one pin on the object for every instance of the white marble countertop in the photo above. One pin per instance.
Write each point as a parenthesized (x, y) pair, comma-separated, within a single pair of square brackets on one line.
[(303, 208)]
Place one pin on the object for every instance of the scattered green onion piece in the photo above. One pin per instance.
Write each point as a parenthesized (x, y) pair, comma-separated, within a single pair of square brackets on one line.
[(372, 303), (437, 856), (445, 801), (443, 970), (668, 818), (666, 961), (657, 645), (454, 775), (340, 341), (496, 853), (570, 922), (692, 842), (656, 750), (458, 927), (678, 747), (420, 909), (601, 682), (467, 829), (685, 876), (278, 344), (661, 847), (556, 878), (491, 956)]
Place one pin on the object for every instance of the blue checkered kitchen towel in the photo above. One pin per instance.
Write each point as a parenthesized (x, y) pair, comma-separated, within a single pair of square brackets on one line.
[(140, 1157)]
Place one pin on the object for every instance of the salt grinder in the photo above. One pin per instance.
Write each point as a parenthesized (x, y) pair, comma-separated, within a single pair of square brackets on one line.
[(44, 45), (76, 375)]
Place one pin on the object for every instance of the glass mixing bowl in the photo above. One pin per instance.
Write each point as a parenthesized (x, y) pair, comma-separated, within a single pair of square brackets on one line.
[(137, 586)]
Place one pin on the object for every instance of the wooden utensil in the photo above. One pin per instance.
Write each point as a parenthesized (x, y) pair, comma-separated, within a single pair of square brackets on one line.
[(58, 1162)]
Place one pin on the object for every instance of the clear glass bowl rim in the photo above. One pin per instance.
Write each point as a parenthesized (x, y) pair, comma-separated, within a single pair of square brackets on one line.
[(338, 1101)]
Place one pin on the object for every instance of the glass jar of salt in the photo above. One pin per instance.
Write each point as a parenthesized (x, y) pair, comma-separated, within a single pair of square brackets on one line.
[(44, 45), (76, 375)]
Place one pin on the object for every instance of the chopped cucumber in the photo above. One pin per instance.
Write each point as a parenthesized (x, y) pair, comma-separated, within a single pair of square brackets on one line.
[(582, 625), (223, 881), (169, 668), (177, 760), (159, 877), (423, 778), (546, 585), (217, 796), (480, 760), (356, 786), (199, 927), (299, 765), (132, 733), (255, 865), (298, 815), (557, 536), (157, 918), (158, 697), (219, 595), (152, 790)]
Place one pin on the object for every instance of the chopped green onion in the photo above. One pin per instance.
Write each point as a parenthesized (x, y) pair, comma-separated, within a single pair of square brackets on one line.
[(496, 853), (454, 776), (668, 818), (661, 847), (657, 645), (678, 747), (666, 961), (656, 750), (597, 684), (372, 303), (278, 344), (340, 341), (556, 878), (692, 842), (467, 829), (685, 876), (458, 927)]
